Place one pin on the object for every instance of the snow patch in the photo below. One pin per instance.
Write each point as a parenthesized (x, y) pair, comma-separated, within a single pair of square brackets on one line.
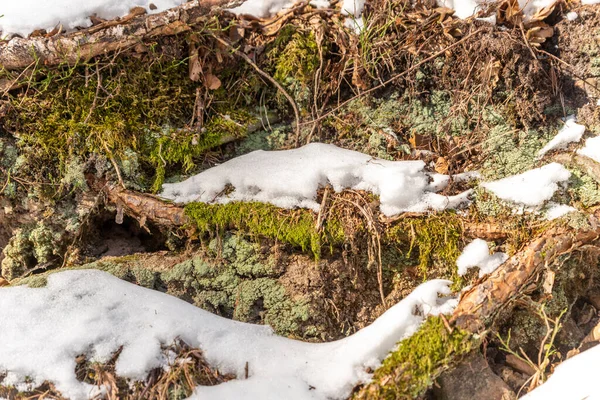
[(556, 210), (591, 149), (531, 188), (91, 312), (477, 254), (24, 16), (291, 178), (574, 379), (572, 16), (467, 8), (570, 132)]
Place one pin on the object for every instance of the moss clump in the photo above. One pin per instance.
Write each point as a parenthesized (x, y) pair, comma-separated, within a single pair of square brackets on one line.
[(408, 371), (183, 146), (436, 238), (295, 227), (295, 57), (125, 117)]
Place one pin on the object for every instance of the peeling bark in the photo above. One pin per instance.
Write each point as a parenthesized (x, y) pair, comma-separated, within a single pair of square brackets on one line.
[(479, 305), (145, 207)]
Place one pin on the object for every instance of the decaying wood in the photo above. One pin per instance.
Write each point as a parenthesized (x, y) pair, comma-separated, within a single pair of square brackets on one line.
[(586, 164), (479, 305), (145, 207), (71, 48)]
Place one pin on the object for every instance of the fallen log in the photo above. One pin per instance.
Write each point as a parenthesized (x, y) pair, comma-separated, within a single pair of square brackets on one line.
[(110, 36)]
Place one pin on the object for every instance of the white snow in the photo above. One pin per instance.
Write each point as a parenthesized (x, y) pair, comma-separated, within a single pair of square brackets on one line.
[(477, 254), (570, 132), (572, 16), (467, 8), (262, 8), (267, 8), (574, 379), (591, 149), (556, 210), (590, 1), (291, 178), (531, 188), (91, 312), (24, 16), (353, 7)]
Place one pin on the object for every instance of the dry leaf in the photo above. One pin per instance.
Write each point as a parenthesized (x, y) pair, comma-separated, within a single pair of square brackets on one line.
[(195, 65), (3, 282), (548, 281), (211, 81), (441, 165)]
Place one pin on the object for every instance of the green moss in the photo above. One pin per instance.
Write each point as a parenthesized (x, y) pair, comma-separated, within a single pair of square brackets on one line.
[(123, 110), (435, 238), (411, 369), (183, 146), (295, 56), (295, 227)]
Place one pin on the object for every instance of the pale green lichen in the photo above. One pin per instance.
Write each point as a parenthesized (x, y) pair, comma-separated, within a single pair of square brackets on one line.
[(583, 188), (512, 151), (29, 247), (243, 286), (17, 255)]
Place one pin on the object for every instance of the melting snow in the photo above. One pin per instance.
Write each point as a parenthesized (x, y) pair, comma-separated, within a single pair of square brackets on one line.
[(467, 8), (555, 210), (574, 379), (24, 16), (291, 178), (91, 312), (531, 188), (591, 149), (572, 16), (477, 254), (570, 132)]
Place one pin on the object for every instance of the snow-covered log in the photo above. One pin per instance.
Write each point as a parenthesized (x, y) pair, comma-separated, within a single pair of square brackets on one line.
[(105, 37)]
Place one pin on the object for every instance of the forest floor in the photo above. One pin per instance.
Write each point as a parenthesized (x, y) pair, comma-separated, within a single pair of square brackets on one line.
[(87, 145)]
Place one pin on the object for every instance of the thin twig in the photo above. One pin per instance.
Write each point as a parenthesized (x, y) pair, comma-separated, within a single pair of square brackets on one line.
[(270, 79), (393, 78)]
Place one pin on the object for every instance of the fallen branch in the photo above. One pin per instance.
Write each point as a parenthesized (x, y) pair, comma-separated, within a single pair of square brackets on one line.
[(109, 36), (485, 300)]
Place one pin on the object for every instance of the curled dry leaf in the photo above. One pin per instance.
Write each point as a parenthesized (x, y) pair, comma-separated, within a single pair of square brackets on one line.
[(211, 81)]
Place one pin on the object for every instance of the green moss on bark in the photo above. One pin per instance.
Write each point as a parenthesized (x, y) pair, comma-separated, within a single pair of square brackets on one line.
[(294, 227), (412, 368)]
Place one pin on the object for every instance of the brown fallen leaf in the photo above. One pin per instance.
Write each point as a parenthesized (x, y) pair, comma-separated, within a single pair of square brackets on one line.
[(211, 81)]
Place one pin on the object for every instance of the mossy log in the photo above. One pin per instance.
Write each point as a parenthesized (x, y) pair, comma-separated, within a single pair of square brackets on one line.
[(80, 46)]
